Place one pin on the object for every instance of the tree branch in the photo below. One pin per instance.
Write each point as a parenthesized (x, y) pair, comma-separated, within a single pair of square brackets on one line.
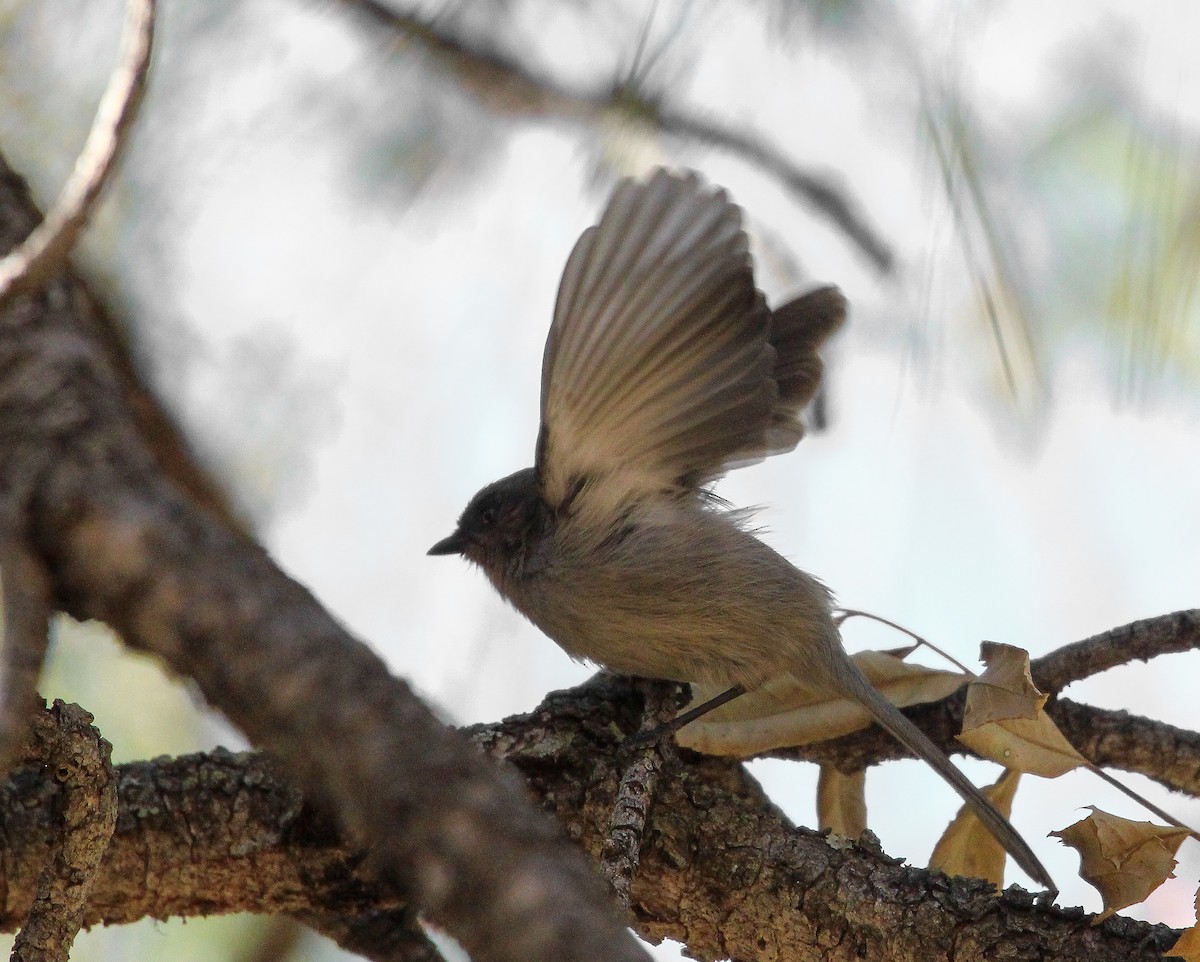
[(45, 250), (721, 868), (389, 935), (26, 623), (1137, 641), (508, 87)]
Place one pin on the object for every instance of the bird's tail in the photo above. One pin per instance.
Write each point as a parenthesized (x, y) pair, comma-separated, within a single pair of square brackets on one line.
[(857, 687)]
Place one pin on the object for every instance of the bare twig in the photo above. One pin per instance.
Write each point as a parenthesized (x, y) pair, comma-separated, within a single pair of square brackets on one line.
[(842, 615), (80, 760), (1141, 800), (26, 616), (509, 87), (635, 794), (46, 248), (1137, 641)]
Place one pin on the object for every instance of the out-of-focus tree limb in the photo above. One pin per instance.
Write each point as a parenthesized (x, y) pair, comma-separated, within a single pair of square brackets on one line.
[(121, 544), (388, 935), (46, 248), (25, 625), (511, 88)]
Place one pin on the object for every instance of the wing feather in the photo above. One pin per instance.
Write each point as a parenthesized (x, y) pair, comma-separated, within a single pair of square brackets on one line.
[(663, 365)]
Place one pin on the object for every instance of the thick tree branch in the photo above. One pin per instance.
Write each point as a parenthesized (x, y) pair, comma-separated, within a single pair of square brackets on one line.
[(508, 87), (725, 873), (124, 546), (45, 250), (721, 869)]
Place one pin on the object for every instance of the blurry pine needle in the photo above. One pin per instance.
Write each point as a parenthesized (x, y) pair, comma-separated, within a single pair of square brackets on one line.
[(987, 253), (1152, 300)]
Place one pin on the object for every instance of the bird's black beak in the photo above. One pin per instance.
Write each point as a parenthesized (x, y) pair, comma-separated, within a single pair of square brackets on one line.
[(455, 544)]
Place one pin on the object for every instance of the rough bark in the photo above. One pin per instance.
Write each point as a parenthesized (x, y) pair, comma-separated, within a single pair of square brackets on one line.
[(720, 868)]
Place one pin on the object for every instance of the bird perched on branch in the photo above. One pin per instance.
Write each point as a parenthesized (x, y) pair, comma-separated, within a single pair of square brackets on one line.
[(663, 369)]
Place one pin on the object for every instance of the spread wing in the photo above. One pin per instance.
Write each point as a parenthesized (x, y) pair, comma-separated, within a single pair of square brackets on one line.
[(664, 366)]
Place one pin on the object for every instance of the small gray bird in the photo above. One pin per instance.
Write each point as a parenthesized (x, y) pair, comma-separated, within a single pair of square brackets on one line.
[(663, 369)]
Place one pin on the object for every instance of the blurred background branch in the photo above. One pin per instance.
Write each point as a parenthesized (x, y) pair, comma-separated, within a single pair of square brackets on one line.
[(509, 88)]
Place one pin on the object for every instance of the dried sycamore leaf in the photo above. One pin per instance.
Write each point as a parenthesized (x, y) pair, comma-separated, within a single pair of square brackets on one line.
[(967, 847), (1124, 860), (1188, 945), (784, 711), (842, 802), (1005, 719)]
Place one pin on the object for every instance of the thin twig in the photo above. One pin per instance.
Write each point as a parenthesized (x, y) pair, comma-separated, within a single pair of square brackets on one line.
[(1137, 641), (1145, 803), (508, 87), (842, 615), (44, 250)]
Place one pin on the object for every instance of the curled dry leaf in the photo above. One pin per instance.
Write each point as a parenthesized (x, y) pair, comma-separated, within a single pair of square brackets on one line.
[(1124, 860), (842, 802), (1188, 945), (1005, 718), (785, 712), (967, 847)]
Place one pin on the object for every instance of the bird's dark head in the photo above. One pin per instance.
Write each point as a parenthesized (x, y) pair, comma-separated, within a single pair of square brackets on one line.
[(502, 526)]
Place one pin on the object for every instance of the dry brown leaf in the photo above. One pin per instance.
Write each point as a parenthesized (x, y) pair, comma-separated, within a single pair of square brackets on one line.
[(1124, 860), (785, 712), (967, 847), (1005, 719), (842, 802), (1187, 947)]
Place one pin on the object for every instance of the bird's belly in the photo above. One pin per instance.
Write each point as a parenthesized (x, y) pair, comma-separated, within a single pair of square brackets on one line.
[(653, 631)]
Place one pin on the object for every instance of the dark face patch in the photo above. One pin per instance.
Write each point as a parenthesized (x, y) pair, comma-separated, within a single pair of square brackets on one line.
[(502, 523)]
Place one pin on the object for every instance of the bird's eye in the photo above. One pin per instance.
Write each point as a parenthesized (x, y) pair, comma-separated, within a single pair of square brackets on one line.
[(487, 516)]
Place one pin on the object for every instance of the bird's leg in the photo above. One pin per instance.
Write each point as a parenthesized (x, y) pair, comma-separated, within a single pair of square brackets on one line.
[(660, 732)]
